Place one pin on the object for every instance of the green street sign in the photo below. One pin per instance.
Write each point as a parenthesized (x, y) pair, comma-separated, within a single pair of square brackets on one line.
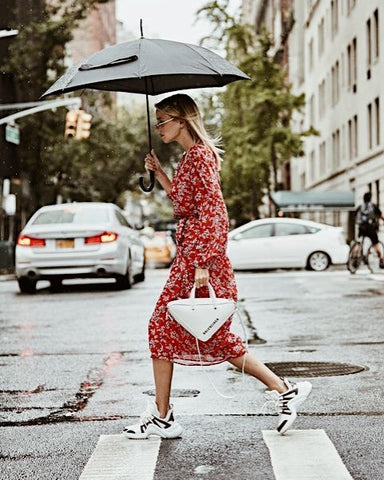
[(12, 134)]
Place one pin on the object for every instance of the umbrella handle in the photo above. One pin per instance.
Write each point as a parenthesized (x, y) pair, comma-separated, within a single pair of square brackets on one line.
[(151, 185)]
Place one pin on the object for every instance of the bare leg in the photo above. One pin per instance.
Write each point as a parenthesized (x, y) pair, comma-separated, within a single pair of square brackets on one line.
[(162, 372), (257, 369), (377, 247), (356, 250)]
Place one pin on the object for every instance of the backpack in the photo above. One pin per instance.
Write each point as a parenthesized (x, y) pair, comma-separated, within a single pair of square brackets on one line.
[(366, 215)]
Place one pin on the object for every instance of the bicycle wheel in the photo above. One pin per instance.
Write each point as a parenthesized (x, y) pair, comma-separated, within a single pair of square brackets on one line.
[(373, 259), (354, 261)]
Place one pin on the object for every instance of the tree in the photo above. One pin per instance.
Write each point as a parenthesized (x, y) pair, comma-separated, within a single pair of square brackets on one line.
[(255, 115), (100, 168)]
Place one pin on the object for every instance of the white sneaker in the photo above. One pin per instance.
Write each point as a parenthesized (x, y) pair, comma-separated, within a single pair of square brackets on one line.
[(152, 424), (288, 402)]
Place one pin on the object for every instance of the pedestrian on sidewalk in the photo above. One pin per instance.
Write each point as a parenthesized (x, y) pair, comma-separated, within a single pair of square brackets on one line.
[(201, 234)]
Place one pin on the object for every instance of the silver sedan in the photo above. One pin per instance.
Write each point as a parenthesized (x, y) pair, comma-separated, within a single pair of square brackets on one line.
[(78, 240)]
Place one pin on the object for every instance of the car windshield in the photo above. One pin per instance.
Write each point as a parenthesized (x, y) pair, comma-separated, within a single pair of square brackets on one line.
[(75, 215)]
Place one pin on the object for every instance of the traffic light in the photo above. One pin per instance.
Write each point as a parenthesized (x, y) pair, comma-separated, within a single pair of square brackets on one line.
[(83, 130), (71, 123)]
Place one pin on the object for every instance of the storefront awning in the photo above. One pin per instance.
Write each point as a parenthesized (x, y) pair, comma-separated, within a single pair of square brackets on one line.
[(313, 201)]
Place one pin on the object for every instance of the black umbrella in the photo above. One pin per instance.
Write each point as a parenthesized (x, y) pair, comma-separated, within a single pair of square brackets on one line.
[(151, 67)]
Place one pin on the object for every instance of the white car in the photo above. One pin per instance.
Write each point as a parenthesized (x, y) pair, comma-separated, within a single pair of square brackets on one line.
[(286, 243), (78, 240)]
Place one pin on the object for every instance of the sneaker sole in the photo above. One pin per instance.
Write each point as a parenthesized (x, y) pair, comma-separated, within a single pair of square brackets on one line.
[(305, 390), (152, 431)]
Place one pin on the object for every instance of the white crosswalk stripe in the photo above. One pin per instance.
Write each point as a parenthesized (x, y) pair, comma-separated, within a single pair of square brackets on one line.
[(304, 455), (117, 458), (298, 455)]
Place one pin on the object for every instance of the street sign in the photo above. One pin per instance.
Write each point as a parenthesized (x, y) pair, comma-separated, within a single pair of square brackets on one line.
[(12, 134)]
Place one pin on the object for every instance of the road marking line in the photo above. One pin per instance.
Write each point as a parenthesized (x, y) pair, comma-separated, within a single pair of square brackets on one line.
[(304, 455), (119, 458)]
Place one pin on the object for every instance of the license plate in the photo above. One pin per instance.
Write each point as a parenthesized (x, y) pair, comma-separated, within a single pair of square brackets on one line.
[(65, 243)]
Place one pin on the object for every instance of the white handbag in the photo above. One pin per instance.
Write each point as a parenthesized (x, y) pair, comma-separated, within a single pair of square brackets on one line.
[(202, 317)]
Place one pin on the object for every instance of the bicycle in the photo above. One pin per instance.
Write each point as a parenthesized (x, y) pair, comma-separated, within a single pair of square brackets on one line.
[(362, 251)]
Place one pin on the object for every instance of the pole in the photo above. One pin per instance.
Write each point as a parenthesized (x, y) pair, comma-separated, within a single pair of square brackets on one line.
[(151, 174), (75, 102)]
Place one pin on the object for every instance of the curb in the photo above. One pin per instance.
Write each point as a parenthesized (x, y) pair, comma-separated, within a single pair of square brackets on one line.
[(4, 278)]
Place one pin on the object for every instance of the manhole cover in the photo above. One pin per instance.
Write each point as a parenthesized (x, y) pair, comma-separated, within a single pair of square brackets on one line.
[(313, 369)]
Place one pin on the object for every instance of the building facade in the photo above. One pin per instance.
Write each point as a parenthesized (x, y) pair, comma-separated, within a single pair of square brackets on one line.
[(341, 75), (336, 58)]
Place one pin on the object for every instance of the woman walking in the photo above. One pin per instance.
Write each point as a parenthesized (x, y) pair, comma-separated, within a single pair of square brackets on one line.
[(201, 236)]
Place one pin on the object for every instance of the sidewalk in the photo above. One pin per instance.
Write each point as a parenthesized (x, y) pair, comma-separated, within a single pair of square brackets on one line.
[(7, 276)]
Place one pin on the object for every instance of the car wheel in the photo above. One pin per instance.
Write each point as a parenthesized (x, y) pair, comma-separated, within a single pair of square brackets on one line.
[(141, 276), (318, 261), (26, 285), (56, 285), (125, 282)]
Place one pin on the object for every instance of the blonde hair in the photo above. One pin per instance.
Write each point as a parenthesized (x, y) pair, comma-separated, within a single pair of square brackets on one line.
[(184, 107)]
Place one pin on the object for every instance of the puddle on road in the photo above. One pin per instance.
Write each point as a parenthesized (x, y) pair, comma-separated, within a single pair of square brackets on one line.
[(177, 392), (203, 469)]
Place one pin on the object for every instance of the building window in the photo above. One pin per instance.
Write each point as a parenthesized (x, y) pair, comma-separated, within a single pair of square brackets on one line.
[(350, 6), (335, 83), (374, 123), (312, 166), (322, 155), (369, 48), (321, 37), (356, 136), (310, 55), (376, 37), (312, 110), (336, 149), (352, 65), (377, 120), (334, 17), (353, 137), (322, 99), (302, 181), (343, 144), (370, 137)]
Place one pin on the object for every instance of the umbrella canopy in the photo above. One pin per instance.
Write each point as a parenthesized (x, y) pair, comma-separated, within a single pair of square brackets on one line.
[(150, 67)]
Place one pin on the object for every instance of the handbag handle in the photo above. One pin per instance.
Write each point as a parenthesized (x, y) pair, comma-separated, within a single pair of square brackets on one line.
[(212, 295)]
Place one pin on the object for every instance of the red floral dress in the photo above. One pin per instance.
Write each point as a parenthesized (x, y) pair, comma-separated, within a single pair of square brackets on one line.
[(201, 238)]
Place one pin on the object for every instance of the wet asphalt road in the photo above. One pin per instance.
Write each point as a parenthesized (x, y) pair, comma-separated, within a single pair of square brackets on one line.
[(74, 365)]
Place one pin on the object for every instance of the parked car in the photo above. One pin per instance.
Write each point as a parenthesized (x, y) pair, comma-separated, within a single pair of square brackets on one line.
[(160, 249), (78, 240), (286, 243)]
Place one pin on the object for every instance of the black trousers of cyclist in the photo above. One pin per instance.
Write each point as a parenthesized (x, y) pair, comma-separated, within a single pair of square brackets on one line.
[(369, 231)]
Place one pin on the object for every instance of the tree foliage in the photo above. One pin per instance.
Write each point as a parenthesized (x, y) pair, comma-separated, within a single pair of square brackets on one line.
[(255, 114)]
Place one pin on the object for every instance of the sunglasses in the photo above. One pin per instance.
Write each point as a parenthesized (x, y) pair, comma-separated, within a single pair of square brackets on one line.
[(160, 124)]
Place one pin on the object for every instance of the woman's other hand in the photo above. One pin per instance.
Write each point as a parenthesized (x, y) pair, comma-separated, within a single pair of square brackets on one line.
[(201, 277)]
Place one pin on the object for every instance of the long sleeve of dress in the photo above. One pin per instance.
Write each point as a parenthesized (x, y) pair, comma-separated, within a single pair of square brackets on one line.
[(212, 218)]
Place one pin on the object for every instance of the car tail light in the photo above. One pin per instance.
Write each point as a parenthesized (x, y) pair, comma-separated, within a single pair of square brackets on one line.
[(105, 237), (27, 241)]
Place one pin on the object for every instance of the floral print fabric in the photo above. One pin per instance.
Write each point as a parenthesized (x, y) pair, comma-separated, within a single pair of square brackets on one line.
[(201, 238)]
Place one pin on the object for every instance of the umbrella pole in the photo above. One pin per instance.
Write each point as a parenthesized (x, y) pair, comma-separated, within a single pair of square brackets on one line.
[(151, 174)]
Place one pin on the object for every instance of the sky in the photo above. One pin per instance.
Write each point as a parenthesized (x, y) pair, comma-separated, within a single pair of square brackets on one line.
[(167, 19)]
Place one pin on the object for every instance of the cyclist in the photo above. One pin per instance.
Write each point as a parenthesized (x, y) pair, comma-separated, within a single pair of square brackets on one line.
[(367, 218)]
